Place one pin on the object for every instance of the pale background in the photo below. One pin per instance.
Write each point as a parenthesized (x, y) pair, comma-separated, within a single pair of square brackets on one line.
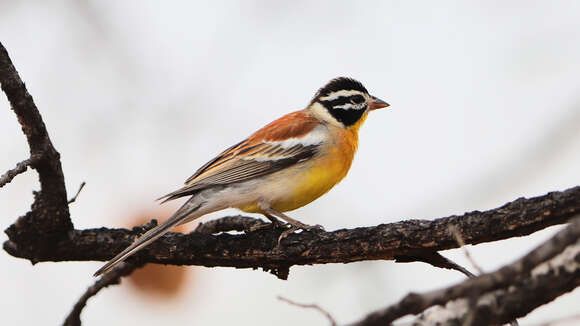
[(485, 107)]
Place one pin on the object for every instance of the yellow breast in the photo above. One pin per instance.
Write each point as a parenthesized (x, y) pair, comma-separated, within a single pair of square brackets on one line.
[(322, 174), (316, 177)]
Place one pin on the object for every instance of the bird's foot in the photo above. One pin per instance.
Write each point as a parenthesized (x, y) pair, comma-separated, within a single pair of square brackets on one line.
[(273, 225), (299, 226)]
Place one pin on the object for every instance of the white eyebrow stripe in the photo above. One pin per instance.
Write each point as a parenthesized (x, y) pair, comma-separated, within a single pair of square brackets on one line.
[(349, 106), (341, 93)]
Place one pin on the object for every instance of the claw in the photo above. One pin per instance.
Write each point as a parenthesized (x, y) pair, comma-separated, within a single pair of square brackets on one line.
[(315, 227), (271, 214), (262, 226), (299, 226), (287, 232)]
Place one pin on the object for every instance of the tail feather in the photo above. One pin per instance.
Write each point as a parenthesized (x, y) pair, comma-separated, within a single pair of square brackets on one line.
[(181, 192), (182, 213)]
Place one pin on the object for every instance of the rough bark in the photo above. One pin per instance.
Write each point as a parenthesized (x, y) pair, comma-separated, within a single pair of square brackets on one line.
[(48, 221), (259, 249)]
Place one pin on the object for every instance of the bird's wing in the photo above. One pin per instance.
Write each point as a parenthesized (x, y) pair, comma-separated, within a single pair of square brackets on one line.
[(287, 141)]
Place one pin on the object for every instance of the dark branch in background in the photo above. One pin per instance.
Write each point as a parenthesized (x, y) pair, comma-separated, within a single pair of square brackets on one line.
[(505, 277), (111, 278), (46, 232), (548, 281)]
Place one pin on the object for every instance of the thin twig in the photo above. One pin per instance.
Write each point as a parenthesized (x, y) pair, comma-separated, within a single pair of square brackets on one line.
[(10, 174), (469, 320), (461, 244), (434, 258), (72, 200), (111, 278), (311, 306)]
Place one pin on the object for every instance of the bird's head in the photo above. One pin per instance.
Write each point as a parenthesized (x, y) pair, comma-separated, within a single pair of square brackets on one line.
[(345, 101)]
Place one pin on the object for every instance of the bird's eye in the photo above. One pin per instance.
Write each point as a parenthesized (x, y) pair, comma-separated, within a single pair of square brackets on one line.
[(357, 99)]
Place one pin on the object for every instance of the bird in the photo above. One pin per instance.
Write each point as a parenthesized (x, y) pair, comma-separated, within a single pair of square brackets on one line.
[(283, 166)]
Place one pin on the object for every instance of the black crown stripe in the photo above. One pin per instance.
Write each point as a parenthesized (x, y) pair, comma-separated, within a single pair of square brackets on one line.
[(338, 84)]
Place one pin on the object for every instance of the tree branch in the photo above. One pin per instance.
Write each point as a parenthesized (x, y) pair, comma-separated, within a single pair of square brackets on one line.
[(49, 218), (111, 278), (475, 287), (546, 282), (228, 223), (259, 249), (10, 174)]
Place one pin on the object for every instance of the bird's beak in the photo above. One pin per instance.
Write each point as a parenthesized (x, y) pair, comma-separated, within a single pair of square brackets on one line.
[(376, 103)]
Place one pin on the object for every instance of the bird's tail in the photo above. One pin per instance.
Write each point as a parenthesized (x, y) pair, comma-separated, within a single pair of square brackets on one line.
[(180, 216)]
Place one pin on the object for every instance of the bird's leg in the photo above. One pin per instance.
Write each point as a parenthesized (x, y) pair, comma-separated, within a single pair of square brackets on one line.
[(276, 224), (296, 225), (294, 222)]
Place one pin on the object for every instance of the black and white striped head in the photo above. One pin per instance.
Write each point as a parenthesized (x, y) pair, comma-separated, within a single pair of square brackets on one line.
[(347, 100)]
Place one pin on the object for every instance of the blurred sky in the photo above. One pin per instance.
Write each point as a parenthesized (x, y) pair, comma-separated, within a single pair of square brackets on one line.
[(136, 95)]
